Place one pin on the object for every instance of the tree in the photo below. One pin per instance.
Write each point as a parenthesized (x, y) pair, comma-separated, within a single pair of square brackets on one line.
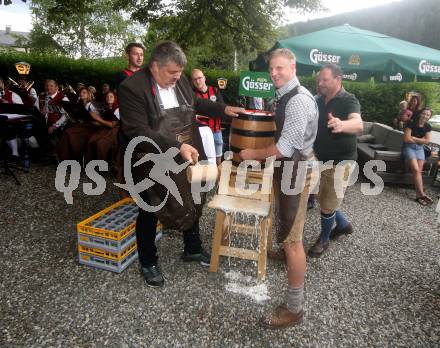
[(40, 41), (247, 22), (213, 29), (390, 19), (84, 28), (8, 2)]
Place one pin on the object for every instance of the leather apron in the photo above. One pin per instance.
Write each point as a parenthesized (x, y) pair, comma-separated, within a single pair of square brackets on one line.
[(291, 209), (178, 122)]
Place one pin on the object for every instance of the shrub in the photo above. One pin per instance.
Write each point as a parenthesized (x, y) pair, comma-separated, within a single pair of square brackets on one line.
[(62, 69), (380, 101), (230, 94)]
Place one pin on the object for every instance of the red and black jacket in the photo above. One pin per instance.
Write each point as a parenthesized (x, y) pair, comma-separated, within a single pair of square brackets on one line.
[(214, 95), (121, 76)]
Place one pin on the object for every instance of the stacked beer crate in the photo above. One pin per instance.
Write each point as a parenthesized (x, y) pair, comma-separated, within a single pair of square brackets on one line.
[(107, 240)]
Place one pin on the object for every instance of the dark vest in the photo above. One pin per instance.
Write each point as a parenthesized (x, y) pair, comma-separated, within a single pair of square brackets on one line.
[(288, 205)]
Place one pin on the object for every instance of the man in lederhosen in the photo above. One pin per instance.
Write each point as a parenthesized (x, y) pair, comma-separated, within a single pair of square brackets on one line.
[(296, 117), (158, 102), (339, 123)]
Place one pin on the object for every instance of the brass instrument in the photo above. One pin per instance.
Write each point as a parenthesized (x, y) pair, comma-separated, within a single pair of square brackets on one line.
[(27, 87), (13, 82), (222, 82), (68, 89), (23, 68), (23, 92)]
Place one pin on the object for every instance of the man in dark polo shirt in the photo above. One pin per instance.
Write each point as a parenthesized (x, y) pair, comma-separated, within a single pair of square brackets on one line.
[(339, 122)]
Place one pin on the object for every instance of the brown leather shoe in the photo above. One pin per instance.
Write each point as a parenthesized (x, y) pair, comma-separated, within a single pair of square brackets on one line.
[(281, 317), (319, 248), (336, 232), (277, 255)]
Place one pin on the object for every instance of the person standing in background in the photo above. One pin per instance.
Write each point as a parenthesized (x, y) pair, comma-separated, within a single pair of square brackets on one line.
[(202, 90), (135, 55)]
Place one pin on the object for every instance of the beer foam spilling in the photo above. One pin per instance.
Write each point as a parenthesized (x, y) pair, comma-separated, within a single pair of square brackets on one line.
[(245, 285)]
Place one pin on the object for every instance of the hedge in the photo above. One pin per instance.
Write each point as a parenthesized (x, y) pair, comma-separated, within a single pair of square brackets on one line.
[(379, 101), (62, 69)]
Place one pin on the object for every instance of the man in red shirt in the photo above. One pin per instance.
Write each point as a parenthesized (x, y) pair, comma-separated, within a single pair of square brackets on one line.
[(135, 54), (208, 92)]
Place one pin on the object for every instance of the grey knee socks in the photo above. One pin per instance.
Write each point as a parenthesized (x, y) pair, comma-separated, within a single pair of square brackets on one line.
[(295, 299)]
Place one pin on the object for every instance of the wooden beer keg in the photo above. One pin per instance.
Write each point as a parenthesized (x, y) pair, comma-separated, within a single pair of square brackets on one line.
[(252, 129)]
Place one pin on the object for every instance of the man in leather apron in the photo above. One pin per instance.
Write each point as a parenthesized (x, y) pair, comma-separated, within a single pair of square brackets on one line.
[(158, 102), (296, 116)]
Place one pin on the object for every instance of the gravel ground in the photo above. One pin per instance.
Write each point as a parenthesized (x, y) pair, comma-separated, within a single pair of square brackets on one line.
[(378, 287)]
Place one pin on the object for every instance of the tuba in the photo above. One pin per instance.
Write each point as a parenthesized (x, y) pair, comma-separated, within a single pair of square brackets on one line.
[(23, 70), (23, 92)]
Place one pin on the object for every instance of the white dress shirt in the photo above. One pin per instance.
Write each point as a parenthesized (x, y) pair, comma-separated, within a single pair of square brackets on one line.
[(168, 97)]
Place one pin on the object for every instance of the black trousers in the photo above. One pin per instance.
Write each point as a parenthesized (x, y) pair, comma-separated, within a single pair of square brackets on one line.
[(146, 235)]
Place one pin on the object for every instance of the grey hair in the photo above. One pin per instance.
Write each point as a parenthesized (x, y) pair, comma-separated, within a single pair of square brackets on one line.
[(282, 52), (168, 51), (335, 70)]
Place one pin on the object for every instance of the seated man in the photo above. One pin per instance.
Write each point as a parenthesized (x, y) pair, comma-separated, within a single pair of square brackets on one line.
[(9, 97), (51, 105)]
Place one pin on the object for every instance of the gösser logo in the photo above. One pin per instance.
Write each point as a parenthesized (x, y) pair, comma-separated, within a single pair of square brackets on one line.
[(427, 67), (398, 77), (352, 77), (317, 57), (249, 84)]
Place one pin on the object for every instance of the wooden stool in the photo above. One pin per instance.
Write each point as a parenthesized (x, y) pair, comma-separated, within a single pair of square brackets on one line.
[(230, 200)]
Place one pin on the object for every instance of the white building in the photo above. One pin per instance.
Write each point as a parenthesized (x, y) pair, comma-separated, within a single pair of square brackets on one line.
[(15, 40)]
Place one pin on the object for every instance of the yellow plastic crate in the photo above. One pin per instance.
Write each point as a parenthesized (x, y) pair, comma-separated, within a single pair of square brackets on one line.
[(107, 254), (114, 222), (107, 264), (114, 246), (116, 231)]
